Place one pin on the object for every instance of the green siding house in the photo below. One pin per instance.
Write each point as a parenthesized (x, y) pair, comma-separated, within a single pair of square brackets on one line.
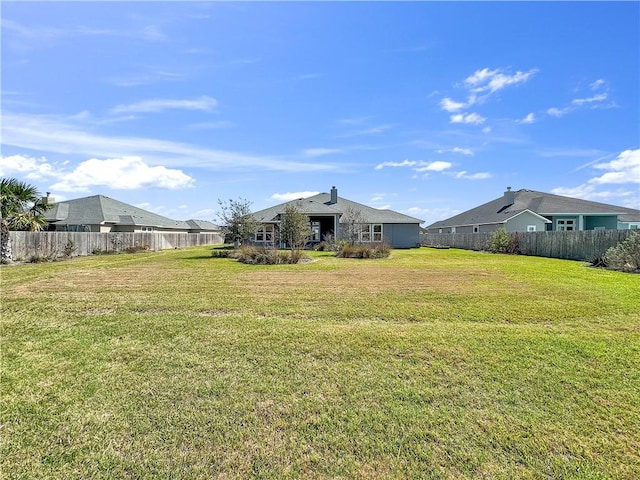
[(531, 211)]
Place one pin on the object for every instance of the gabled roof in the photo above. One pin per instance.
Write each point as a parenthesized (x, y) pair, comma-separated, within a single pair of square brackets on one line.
[(511, 204), (98, 209), (201, 225), (320, 205)]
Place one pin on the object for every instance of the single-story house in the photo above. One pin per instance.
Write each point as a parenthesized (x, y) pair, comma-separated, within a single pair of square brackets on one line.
[(98, 213), (327, 213), (531, 211)]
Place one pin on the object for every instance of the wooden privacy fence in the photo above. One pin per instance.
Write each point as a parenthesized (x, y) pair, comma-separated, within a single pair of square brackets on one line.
[(573, 245), (26, 245)]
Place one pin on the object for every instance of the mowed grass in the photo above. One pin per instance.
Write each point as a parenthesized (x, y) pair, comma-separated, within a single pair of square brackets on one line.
[(428, 364)]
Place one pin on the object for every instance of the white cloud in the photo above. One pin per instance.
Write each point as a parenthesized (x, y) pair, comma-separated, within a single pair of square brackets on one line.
[(430, 215), (203, 103), (469, 118), (593, 101), (404, 163), (62, 135), (437, 166), (491, 81), (623, 170), (557, 112), (286, 197), (370, 131), (318, 152), (480, 76), (530, 118), (472, 176), (451, 105), (24, 166), (463, 151), (596, 98), (126, 173)]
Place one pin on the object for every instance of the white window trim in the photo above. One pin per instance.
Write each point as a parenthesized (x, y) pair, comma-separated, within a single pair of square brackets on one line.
[(368, 233)]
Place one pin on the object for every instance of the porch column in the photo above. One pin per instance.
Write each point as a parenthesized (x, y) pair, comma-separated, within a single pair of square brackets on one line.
[(580, 222)]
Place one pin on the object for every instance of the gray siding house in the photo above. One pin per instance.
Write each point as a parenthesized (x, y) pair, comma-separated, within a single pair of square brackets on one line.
[(98, 213), (326, 213), (531, 211)]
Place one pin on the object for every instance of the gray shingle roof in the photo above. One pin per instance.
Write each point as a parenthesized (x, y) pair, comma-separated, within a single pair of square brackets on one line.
[(99, 209), (320, 204), (499, 210), (201, 225)]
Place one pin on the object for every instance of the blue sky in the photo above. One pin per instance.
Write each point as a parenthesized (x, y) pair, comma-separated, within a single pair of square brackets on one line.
[(427, 108)]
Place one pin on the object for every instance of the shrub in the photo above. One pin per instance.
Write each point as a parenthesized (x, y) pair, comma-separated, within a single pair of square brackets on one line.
[(503, 242), (97, 251), (40, 258), (69, 248), (137, 248), (373, 250), (625, 256), (267, 256), (222, 253), (323, 247)]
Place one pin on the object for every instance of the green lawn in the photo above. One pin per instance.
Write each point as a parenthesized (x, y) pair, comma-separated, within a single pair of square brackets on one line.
[(428, 364)]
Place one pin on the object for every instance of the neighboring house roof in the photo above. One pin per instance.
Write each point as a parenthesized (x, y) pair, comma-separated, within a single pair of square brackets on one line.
[(514, 203), (321, 204), (201, 225), (98, 209)]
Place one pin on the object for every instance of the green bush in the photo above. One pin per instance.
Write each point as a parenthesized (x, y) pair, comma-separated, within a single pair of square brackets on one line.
[(222, 253), (502, 241), (625, 256)]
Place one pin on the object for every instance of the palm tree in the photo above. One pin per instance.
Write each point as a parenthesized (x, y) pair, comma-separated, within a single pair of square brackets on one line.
[(21, 208)]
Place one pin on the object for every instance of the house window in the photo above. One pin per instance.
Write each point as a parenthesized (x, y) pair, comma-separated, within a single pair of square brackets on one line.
[(371, 232), (565, 225), (453, 229), (365, 233), (531, 228), (377, 232), (265, 234), (476, 228), (146, 229), (315, 231)]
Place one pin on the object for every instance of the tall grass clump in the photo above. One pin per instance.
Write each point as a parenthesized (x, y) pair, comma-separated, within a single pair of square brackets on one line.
[(373, 250), (267, 256)]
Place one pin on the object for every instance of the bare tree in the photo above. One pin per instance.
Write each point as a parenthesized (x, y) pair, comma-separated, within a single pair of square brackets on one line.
[(351, 223)]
